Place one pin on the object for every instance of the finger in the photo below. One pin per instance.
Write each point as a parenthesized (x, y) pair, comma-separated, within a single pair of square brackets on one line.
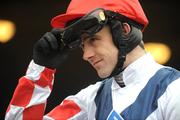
[(52, 41)]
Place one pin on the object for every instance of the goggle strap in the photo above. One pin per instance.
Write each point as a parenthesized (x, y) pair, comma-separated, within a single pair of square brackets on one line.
[(113, 15)]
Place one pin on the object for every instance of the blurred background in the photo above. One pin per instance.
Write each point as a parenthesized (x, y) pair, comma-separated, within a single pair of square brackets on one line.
[(26, 21)]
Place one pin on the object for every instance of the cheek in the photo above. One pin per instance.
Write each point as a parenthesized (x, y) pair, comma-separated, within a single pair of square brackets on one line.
[(108, 50), (111, 55), (113, 51), (114, 58)]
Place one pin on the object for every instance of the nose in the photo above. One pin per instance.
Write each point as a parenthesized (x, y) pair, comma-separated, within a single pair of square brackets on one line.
[(88, 53)]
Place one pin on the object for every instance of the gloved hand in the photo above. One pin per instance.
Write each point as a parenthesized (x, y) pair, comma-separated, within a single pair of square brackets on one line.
[(49, 51)]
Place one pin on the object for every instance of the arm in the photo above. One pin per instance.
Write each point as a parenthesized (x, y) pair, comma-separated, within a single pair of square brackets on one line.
[(68, 109), (29, 99), (30, 96), (76, 107), (168, 103), (31, 93), (172, 103)]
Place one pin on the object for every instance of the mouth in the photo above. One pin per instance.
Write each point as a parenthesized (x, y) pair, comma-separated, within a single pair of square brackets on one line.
[(96, 63)]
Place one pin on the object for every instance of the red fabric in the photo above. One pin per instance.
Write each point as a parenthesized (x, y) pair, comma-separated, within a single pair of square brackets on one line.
[(46, 78), (24, 90), (23, 95), (65, 110), (34, 112), (77, 8), (25, 87)]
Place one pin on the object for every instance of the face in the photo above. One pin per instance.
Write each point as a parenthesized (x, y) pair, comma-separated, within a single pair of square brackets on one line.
[(100, 51)]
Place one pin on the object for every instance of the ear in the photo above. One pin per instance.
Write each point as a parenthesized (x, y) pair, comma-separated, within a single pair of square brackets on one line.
[(126, 28)]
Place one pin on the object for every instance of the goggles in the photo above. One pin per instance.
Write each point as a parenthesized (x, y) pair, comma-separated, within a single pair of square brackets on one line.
[(91, 23)]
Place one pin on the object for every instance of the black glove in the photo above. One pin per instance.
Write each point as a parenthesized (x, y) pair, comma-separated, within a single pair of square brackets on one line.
[(49, 51)]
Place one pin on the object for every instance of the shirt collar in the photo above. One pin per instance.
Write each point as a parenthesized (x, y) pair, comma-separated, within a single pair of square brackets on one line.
[(136, 70)]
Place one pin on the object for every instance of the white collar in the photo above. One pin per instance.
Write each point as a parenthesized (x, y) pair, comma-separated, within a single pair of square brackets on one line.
[(134, 72)]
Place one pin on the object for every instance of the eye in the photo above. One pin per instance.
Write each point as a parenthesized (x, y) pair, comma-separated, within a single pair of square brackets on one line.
[(93, 39), (89, 41)]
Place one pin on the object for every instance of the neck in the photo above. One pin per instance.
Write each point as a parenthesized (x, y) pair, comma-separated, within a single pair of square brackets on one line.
[(132, 56)]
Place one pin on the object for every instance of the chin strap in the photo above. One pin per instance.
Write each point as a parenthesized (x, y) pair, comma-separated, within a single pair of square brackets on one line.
[(121, 43), (125, 44)]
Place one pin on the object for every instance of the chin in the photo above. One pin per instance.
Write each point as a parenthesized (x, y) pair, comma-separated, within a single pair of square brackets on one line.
[(103, 75)]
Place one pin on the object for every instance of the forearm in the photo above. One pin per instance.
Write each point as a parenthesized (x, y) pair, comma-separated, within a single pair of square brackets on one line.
[(31, 93)]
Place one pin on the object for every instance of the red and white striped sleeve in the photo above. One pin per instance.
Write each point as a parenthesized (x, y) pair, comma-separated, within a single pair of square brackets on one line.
[(68, 109), (30, 96), (31, 93)]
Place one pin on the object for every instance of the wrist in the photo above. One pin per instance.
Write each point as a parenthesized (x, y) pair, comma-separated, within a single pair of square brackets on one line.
[(34, 70)]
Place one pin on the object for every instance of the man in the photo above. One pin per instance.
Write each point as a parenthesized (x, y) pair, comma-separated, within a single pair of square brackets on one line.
[(109, 32)]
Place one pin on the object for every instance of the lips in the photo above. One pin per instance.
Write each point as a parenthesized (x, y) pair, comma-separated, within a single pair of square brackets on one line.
[(95, 63)]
